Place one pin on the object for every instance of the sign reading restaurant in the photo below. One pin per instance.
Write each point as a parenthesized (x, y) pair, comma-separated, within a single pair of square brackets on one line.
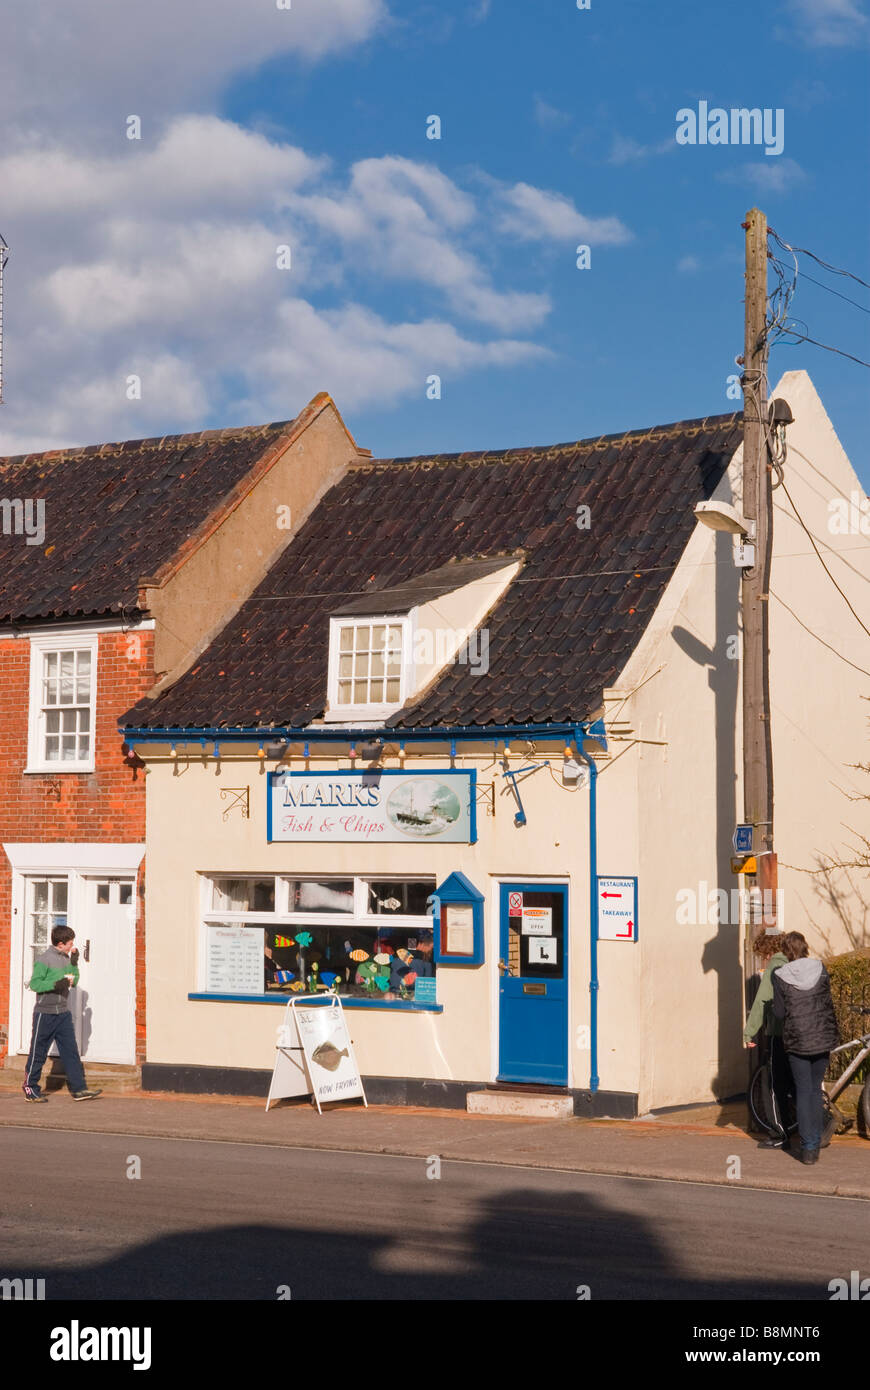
[(384, 806)]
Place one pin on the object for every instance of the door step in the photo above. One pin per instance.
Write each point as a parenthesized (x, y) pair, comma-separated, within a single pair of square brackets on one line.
[(539, 1102), (104, 1076)]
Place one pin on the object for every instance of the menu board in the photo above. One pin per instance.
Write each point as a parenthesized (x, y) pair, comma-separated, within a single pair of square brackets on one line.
[(458, 934), (234, 961)]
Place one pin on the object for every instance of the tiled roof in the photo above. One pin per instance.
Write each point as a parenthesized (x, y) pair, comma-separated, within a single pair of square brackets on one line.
[(562, 630), (115, 514)]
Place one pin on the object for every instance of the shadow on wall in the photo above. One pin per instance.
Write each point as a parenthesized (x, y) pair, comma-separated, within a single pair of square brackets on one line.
[(723, 950)]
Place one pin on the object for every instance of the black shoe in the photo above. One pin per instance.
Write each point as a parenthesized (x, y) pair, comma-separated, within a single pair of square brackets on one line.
[(85, 1095), (809, 1155), (35, 1097)]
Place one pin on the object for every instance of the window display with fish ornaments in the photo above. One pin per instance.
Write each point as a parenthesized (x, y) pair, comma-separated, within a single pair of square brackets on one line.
[(358, 937)]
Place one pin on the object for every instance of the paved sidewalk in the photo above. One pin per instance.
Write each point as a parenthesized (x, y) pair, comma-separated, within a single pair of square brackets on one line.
[(677, 1146)]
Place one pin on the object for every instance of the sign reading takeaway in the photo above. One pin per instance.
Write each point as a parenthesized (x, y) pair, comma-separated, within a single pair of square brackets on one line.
[(372, 806)]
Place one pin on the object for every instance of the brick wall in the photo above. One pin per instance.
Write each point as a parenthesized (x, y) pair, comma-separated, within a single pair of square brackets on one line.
[(105, 806)]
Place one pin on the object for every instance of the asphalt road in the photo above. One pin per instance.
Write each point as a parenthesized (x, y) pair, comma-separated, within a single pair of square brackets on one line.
[(213, 1221)]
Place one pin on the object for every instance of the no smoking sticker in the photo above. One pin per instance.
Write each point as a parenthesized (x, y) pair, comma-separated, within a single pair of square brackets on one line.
[(515, 904)]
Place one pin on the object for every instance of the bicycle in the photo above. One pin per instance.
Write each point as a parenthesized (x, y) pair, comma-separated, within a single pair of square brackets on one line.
[(761, 1094)]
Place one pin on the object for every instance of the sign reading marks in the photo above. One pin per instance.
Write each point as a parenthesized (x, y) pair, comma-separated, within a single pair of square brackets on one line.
[(380, 806), (617, 909)]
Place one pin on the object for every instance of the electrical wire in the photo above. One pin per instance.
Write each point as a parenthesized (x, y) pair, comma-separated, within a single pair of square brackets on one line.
[(812, 542), (809, 630), (802, 251), (814, 281), (805, 338)]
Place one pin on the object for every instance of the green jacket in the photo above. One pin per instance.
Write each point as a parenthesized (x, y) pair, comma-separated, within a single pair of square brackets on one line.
[(761, 1013)]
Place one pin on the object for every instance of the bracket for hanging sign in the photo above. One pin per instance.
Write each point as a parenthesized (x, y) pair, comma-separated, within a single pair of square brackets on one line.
[(486, 793), (241, 801)]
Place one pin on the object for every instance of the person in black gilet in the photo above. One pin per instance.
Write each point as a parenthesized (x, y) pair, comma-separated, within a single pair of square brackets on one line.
[(802, 999)]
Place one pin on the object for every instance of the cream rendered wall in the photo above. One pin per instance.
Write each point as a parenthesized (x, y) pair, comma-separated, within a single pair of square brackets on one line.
[(689, 792), (198, 599), (186, 832), (455, 615)]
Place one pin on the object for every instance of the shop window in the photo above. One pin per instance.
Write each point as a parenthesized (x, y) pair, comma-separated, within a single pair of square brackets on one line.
[(321, 895), (390, 896), (325, 939), (244, 895)]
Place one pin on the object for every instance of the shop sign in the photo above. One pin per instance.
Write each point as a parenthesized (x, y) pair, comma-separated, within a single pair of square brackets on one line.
[(315, 1055), (537, 921), (380, 807), (617, 909)]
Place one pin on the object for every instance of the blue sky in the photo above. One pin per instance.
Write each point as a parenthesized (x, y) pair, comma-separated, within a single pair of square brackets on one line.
[(411, 256)]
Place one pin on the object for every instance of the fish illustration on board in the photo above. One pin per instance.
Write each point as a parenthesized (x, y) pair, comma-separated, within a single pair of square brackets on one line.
[(328, 1056)]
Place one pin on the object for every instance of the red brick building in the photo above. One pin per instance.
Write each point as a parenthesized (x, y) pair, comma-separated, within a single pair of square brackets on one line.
[(118, 563)]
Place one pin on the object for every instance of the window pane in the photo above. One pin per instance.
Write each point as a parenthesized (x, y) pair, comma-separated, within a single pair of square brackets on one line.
[(388, 896), (345, 640), (244, 895), (84, 720), (83, 690), (52, 722), (359, 692), (84, 744), (49, 692), (362, 664), (345, 665), (66, 691), (319, 895), (84, 666), (59, 895), (67, 663), (376, 692), (102, 892), (68, 748), (377, 664), (344, 692), (395, 637), (362, 637), (51, 749), (51, 663), (392, 691), (40, 895), (126, 894)]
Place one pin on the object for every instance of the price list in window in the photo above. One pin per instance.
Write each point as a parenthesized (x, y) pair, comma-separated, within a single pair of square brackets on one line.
[(235, 961)]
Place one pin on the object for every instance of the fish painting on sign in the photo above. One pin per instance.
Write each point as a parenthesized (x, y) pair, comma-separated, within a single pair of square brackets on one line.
[(328, 1056)]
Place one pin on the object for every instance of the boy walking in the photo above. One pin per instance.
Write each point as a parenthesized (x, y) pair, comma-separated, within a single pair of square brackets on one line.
[(53, 974)]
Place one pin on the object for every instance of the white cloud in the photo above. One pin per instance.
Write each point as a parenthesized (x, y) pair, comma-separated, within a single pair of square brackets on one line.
[(535, 214), (175, 278), (766, 176), (687, 265), (87, 64), (549, 117), (625, 150), (830, 23)]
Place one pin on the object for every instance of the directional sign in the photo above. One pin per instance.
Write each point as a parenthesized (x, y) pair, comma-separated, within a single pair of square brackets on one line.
[(742, 839), (617, 909)]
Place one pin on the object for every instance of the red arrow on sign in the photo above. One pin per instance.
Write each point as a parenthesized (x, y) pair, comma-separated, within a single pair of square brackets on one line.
[(611, 895), (626, 934)]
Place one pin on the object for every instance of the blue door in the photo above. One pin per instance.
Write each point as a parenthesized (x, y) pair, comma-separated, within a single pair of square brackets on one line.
[(533, 988)]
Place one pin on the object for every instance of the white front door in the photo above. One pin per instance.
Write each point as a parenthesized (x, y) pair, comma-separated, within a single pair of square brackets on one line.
[(104, 1005)]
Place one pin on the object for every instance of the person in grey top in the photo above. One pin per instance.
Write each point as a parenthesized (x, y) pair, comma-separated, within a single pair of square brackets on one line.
[(802, 1000)]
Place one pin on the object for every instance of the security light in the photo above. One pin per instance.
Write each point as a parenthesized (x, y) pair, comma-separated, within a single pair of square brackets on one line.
[(721, 516)]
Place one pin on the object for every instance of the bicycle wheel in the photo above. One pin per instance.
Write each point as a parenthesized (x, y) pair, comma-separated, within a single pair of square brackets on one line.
[(761, 1100)]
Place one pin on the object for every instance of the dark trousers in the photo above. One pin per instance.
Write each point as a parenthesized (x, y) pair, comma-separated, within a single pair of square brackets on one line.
[(780, 1081), (809, 1073), (57, 1028)]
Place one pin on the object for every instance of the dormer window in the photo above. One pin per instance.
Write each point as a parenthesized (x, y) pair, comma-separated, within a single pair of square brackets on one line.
[(388, 645), (367, 666)]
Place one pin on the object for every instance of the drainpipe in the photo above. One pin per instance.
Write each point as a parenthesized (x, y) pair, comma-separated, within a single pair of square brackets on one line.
[(594, 731)]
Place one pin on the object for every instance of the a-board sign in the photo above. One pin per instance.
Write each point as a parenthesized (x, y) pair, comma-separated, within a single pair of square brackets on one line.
[(315, 1055)]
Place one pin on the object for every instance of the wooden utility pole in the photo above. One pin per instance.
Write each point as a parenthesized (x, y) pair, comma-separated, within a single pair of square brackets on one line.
[(757, 507)]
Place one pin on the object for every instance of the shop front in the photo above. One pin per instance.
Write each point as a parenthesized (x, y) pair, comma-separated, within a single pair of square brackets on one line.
[(449, 914)]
